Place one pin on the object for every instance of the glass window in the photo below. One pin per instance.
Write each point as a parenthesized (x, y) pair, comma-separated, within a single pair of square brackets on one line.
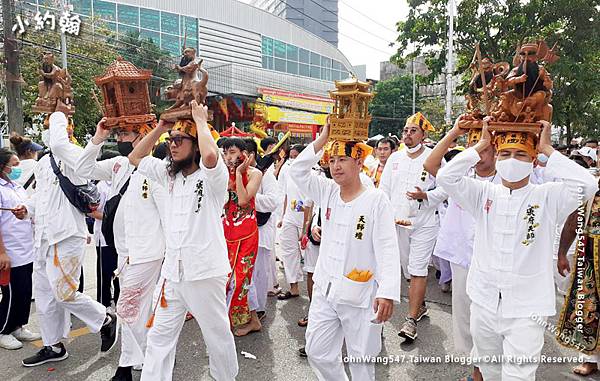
[(292, 52), (336, 75), (190, 43), (170, 44), (104, 10), (326, 74), (267, 46), (150, 35), (337, 65), (83, 7), (128, 30), (279, 49), (304, 56), (280, 65), (190, 28), (315, 59), (315, 71), (304, 70), (270, 63), (326, 62), (169, 23), (128, 15), (149, 18), (292, 67)]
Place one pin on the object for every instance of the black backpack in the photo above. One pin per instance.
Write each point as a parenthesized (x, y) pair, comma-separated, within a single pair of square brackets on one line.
[(110, 211), (83, 197)]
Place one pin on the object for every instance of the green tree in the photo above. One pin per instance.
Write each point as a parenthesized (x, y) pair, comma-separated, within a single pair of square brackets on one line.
[(391, 105), (146, 54), (88, 56), (499, 25)]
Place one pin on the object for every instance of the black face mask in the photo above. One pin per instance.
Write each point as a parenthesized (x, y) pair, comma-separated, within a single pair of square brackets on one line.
[(125, 148)]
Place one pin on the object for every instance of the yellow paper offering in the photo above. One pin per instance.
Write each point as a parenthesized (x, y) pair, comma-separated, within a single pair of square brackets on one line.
[(359, 276)]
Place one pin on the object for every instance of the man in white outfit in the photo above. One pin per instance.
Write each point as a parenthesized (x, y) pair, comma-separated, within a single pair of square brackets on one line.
[(60, 238), (358, 234), (194, 273), (292, 224), (138, 238), (415, 199), (455, 239), (510, 280)]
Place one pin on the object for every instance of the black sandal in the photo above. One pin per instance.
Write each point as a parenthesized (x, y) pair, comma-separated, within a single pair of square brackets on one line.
[(287, 295)]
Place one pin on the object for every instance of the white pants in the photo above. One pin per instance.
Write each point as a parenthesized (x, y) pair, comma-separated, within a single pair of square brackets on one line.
[(56, 295), (273, 271), (205, 299), (257, 292), (289, 239), (331, 324), (416, 247), (494, 335), (134, 308), (311, 254), (461, 310)]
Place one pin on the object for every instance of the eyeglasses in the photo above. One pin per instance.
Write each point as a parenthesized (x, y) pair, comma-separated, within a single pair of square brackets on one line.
[(178, 140)]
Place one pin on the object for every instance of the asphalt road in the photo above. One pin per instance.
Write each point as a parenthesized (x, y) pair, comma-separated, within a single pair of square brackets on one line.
[(276, 348)]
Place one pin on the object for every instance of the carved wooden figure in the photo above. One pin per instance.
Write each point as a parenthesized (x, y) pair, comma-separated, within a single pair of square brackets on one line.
[(350, 118), (54, 89), (126, 96)]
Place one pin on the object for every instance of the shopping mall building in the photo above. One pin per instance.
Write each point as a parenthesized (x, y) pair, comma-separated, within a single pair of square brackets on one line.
[(250, 55)]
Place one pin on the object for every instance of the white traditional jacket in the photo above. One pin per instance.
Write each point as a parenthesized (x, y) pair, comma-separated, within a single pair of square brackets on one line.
[(358, 234), (56, 219), (268, 198), (402, 174), (514, 234), (196, 247), (138, 225)]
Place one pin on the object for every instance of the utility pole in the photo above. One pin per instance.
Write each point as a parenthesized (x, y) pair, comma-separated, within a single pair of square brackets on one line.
[(14, 101), (63, 37), (414, 78), (450, 62)]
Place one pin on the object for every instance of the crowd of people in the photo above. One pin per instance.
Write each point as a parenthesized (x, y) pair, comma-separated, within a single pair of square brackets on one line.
[(188, 228)]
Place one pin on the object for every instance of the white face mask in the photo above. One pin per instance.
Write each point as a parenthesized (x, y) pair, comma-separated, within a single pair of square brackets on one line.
[(513, 170), (414, 149), (46, 137)]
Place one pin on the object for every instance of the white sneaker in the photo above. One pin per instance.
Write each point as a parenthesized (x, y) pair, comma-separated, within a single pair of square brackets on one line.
[(24, 334), (9, 342)]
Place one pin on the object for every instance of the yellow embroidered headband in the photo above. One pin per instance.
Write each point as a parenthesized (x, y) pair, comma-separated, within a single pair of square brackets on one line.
[(355, 150), (187, 126), (419, 120), (519, 140)]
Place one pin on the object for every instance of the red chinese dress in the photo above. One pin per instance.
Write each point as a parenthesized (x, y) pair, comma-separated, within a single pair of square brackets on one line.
[(241, 234)]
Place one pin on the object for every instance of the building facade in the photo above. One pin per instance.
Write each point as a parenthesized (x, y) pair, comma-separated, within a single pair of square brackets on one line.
[(244, 48), (319, 17)]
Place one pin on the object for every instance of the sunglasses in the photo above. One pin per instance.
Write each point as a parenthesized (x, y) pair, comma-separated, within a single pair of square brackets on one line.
[(177, 140)]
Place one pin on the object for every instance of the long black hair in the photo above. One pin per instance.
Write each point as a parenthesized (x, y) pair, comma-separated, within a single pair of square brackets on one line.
[(174, 167)]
